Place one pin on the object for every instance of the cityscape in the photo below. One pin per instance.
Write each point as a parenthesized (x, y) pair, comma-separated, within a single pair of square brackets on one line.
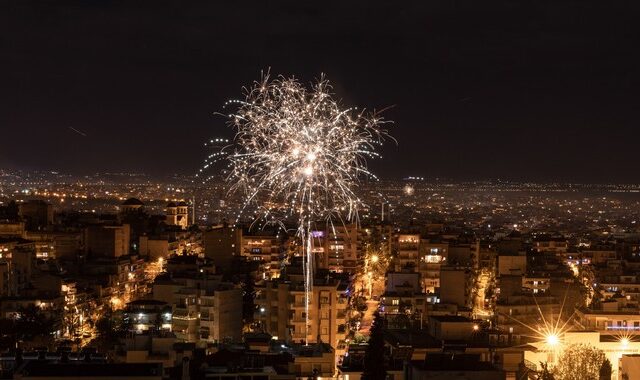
[(441, 190)]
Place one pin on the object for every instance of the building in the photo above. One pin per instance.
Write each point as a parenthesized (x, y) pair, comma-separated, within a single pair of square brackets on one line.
[(221, 244), (208, 315), (107, 240), (455, 286), (630, 366), (177, 214), (512, 264), (37, 214), (267, 249), (63, 245), (614, 347), (615, 314), (36, 369), (131, 205), (146, 314), (12, 228), (17, 260), (281, 312), (452, 327), (432, 257), (403, 300), (156, 247), (458, 366), (204, 309), (337, 248), (407, 251), (553, 244)]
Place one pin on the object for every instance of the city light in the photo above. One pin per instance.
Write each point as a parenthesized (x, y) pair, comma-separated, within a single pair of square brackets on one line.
[(552, 340)]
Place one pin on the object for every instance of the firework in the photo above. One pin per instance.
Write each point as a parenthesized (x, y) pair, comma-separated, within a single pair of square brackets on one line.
[(298, 155)]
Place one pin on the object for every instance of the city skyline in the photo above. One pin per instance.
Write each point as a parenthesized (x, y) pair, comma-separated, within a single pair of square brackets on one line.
[(520, 92), (286, 190)]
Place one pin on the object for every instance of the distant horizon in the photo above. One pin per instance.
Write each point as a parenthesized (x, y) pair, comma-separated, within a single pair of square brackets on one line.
[(425, 179)]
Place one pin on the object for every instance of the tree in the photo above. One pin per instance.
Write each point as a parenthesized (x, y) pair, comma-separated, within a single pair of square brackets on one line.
[(7, 334), (579, 362), (374, 357), (104, 327), (546, 373), (605, 370), (32, 323), (248, 298)]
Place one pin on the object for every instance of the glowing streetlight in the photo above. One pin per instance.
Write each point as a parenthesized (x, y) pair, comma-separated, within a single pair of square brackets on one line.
[(624, 342), (552, 339), (374, 258)]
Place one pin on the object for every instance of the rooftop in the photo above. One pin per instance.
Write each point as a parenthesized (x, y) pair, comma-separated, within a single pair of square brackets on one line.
[(82, 369), (133, 202)]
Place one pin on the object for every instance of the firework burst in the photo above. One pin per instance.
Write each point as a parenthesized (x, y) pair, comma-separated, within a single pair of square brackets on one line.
[(298, 155)]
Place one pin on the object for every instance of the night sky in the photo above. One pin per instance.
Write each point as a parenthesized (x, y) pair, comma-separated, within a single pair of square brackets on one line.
[(522, 90)]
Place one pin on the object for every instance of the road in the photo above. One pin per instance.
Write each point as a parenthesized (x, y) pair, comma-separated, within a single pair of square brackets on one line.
[(367, 318), (479, 302)]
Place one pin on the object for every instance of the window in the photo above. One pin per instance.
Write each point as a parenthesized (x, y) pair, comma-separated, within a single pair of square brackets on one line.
[(395, 302)]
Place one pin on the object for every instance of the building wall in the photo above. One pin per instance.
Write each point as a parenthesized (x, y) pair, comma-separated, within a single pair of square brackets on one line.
[(512, 265), (222, 244), (281, 311), (630, 366), (228, 315), (394, 280), (37, 214), (15, 229), (154, 248), (338, 248), (454, 286), (407, 251), (107, 241)]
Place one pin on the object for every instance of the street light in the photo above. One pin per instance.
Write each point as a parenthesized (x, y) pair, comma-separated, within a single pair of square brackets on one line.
[(374, 258), (552, 339)]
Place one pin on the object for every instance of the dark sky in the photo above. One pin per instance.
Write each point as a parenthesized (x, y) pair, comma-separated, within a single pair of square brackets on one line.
[(524, 90)]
